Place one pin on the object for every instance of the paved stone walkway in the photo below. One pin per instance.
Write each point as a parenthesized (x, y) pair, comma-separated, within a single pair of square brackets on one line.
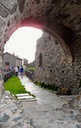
[(47, 111)]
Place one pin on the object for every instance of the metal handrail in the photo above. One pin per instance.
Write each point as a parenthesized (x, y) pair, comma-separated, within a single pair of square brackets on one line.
[(29, 74)]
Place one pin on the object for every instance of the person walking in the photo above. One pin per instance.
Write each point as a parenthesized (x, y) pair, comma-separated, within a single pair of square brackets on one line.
[(16, 71), (21, 71)]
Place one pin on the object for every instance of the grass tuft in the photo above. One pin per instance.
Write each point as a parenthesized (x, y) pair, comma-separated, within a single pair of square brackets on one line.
[(14, 85)]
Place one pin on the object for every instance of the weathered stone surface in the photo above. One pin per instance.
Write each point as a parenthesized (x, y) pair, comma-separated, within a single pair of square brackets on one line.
[(1, 125), (56, 64), (21, 5), (3, 11), (11, 113), (4, 117), (13, 9), (9, 5), (48, 110), (13, 108), (62, 19), (78, 126), (17, 118), (37, 1), (2, 23), (78, 117)]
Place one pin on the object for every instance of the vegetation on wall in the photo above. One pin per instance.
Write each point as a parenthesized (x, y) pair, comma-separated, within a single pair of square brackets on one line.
[(63, 90), (47, 86), (31, 68)]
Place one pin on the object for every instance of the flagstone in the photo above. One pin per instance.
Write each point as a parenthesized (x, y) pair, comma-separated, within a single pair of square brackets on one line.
[(23, 94), (25, 97)]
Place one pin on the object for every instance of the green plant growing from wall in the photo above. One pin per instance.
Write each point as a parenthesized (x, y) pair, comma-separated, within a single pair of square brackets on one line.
[(53, 87)]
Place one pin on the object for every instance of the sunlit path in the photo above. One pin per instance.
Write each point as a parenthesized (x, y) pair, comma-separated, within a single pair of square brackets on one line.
[(42, 96), (47, 110)]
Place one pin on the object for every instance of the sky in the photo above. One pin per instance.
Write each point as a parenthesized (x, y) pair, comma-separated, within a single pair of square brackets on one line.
[(23, 43)]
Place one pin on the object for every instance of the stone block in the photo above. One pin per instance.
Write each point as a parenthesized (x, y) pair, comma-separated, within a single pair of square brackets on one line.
[(3, 12)]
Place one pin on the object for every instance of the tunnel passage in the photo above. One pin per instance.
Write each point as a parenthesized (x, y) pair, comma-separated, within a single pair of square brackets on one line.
[(59, 18)]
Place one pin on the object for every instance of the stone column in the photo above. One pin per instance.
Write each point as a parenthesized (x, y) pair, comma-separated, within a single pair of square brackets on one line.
[(1, 76)]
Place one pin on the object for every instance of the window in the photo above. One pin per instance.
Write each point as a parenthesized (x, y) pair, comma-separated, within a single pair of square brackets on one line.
[(7, 63), (40, 60)]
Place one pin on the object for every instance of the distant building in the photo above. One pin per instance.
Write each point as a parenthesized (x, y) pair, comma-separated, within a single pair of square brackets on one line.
[(32, 64), (10, 61), (25, 62), (18, 61)]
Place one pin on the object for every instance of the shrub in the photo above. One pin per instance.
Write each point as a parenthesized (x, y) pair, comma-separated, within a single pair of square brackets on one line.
[(36, 82), (42, 84), (48, 86), (55, 88), (64, 91)]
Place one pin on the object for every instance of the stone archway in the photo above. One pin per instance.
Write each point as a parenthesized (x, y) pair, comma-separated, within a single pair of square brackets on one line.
[(62, 18)]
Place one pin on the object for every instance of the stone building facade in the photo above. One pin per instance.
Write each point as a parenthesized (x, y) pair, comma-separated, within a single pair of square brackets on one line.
[(18, 61), (53, 66), (25, 62), (11, 60)]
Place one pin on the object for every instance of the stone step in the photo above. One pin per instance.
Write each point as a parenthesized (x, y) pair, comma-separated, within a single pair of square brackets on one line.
[(25, 97), (28, 100), (23, 94)]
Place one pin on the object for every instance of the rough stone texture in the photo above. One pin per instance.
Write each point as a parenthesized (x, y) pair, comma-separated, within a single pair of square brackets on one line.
[(12, 113), (50, 110), (2, 23), (9, 5), (21, 5), (3, 12), (62, 19), (57, 67)]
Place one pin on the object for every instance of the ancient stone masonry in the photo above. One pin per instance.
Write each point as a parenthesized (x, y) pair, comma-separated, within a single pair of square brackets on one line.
[(58, 58), (11, 113), (55, 67), (62, 19)]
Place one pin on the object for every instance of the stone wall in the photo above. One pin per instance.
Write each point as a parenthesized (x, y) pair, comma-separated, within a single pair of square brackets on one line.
[(58, 18), (12, 114), (11, 59), (60, 61), (56, 66)]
